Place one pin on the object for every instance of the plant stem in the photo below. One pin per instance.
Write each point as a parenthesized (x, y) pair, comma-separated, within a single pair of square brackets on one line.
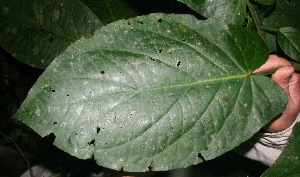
[(296, 66), (20, 151), (269, 29), (273, 70), (256, 20)]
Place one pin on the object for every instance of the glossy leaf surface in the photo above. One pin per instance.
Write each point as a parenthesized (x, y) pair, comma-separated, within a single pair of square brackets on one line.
[(35, 31), (154, 92), (289, 41), (230, 12)]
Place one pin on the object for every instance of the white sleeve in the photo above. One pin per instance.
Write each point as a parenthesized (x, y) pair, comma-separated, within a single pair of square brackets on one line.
[(266, 147), (38, 171)]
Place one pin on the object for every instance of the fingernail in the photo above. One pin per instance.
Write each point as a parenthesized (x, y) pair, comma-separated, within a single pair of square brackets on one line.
[(286, 77)]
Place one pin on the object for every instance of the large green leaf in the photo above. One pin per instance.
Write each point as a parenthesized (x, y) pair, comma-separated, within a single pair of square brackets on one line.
[(36, 31), (111, 10), (155, 91), (289, 41), (288, 162), (229, 11)]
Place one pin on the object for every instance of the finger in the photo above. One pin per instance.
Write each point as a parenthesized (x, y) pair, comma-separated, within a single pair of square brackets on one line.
[(294, 91), (290, 113), (273, 62), (283, 77)]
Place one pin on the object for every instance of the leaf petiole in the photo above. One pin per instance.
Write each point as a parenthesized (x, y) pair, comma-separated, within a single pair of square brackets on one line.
[(266, 28), (273, 70)]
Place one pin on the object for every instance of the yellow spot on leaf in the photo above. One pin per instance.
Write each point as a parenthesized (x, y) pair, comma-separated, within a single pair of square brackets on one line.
[(38, 111), (54, 70)]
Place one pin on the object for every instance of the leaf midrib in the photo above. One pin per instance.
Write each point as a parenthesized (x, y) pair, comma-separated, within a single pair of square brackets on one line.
[(198, 82), (153, 89)]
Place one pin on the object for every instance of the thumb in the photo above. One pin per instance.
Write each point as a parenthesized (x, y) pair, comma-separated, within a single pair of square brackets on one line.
[(283, 76)]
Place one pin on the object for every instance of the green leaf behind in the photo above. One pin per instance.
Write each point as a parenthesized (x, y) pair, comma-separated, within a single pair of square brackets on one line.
[(154, 91), (229, 12), (288, 162), (35, 32), (111, 10), (286, 14), (289, 41)]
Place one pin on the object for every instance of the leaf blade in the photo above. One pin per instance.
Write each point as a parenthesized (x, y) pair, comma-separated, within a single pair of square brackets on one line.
[(285, 15), (286, 164), (35, 32), (150, 87), (230, 12), (289, 41)]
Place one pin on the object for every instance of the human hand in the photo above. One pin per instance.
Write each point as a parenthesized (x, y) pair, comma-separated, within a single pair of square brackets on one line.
[(289, 80)]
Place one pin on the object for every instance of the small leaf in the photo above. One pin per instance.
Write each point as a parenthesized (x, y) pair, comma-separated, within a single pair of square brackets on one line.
[(289, 41), (229, 12), (288, 162), (36, 31), (155, 91), (271, 41), (111, 10)]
